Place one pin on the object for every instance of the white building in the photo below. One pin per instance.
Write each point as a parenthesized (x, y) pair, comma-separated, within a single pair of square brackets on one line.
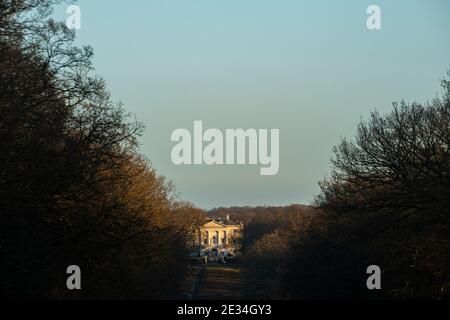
[(219, 238)]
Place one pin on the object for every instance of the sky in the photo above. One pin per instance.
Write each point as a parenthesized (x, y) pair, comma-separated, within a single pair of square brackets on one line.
[(311, 69)]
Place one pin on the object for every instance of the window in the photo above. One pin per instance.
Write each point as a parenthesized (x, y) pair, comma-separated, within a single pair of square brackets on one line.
[(224, 240), (206, 240), (216, 238)]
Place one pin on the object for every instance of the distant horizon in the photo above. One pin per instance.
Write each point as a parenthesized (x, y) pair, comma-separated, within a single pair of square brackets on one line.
[(260, 206)]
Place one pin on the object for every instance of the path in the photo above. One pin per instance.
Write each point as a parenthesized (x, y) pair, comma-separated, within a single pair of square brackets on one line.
[(214, 282)]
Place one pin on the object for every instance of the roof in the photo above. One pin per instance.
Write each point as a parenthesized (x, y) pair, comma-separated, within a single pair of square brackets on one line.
[(222, 223)]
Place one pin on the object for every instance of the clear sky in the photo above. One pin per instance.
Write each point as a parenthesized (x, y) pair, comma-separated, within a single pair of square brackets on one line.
[(309, 68)]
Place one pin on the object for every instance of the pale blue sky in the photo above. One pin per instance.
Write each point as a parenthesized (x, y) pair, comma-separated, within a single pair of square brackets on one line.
[(308, 68)]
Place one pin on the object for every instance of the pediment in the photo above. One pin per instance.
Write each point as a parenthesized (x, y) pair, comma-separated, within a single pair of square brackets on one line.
[(213, 224)]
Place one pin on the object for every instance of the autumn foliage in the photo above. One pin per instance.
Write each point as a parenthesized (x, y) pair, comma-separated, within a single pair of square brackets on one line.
[(73, 187)]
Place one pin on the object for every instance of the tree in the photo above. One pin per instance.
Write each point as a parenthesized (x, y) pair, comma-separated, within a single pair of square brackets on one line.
[(73, 187), (399, 164), (390, 192)]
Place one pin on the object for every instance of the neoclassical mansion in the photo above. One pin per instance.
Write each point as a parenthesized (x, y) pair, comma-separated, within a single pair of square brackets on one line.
[(219, 238)]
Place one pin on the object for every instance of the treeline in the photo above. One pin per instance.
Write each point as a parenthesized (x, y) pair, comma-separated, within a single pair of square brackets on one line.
[(386, 203), (74, 189), (259, 221), (268, 233)]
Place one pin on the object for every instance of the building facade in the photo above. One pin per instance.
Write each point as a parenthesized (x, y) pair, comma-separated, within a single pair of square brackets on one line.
[(217, 238)]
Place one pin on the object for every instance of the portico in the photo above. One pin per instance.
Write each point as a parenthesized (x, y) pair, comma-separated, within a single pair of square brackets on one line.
[(219, 237)]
